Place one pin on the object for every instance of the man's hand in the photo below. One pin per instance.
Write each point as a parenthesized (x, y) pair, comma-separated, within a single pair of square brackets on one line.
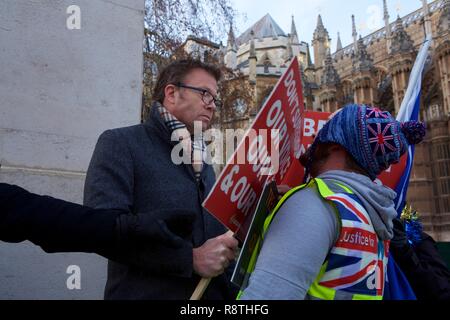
[(214, 256)]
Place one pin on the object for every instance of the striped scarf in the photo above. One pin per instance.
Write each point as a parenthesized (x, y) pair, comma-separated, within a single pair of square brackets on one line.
[(193, 145)]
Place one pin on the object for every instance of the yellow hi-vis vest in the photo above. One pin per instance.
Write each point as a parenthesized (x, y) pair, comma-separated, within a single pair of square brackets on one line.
[(355, 267)]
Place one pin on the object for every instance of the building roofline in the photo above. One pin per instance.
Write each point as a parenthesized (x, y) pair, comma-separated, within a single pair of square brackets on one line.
[(407, 20)]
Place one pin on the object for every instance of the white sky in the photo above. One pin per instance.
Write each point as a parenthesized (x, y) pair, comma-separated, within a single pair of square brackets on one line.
[(336, 15)]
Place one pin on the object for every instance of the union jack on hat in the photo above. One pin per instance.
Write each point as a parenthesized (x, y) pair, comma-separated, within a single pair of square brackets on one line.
[(372, 136)]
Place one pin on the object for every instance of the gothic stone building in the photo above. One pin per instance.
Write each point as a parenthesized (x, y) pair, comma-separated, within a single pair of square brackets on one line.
[(373, 70)]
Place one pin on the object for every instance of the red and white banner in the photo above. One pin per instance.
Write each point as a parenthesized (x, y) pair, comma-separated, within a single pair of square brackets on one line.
[(269, 149), (312, 123)]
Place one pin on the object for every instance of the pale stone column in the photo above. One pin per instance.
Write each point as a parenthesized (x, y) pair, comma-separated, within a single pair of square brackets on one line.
[(70, 70)]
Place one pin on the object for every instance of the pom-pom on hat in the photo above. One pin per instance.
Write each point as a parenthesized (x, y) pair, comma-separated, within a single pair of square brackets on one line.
[(372, 136)]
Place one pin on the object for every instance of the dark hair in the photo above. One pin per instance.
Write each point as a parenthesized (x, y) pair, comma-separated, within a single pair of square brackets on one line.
[(177, 71)]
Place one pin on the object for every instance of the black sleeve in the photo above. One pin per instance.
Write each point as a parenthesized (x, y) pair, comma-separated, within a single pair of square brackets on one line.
[(425, 269), (54, 225), (141, 240)]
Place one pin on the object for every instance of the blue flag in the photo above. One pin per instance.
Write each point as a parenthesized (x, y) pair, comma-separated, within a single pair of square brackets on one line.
[(409, 111), (397, 286)]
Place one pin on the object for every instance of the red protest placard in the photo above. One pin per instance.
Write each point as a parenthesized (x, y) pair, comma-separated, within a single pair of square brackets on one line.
[(268, 150)]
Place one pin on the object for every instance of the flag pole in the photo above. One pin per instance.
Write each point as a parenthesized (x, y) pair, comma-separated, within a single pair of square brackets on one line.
[(398, 285), (200, 289)]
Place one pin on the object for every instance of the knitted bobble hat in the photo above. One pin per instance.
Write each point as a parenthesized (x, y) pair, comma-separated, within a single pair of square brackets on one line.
[(372, 136)]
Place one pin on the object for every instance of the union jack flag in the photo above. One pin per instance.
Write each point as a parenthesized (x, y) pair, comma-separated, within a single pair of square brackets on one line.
[(356, 263), (380, 134)]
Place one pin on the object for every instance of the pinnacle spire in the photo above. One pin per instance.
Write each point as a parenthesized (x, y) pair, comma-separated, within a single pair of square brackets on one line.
[(321, 33), (293, 28), (426, 7), (330, 75), (294, 35), (231, 43), (339, 42), (354, 34), (386, 11), (362, 61), (320, 22), (252, 45), (402, 41), (386, 23)]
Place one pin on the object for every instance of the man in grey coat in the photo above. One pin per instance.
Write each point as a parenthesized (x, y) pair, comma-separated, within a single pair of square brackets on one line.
[(133, 169)]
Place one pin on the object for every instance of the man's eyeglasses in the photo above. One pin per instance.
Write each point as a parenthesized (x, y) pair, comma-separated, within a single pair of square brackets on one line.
[(207, 97)]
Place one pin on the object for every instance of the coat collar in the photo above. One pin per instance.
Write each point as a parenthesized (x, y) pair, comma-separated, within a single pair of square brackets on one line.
[(156, 124)]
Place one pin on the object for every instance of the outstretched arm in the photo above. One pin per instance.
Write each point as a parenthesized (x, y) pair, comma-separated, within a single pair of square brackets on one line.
[(60, 226)]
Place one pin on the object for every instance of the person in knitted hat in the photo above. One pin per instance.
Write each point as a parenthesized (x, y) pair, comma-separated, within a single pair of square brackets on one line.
[(373, 138), (329, 238)]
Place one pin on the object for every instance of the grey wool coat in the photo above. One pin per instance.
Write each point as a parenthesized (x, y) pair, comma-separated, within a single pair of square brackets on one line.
[(131, 169)]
